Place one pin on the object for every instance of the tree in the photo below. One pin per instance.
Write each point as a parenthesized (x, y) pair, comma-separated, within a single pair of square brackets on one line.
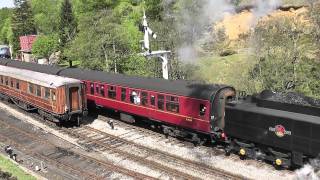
[(109, 40), (6, 35), (315, 17), (46, 15), (4, 14), (84, 6), (22, 22), (44, 46), (283, 49), (67, 24), (154, 9)]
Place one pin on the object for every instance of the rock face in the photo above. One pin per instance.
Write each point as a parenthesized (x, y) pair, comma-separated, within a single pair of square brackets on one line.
[(241, 23)]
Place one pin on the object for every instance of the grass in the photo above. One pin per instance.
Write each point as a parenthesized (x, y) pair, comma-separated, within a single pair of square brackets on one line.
[(7, 166), (231, 70)]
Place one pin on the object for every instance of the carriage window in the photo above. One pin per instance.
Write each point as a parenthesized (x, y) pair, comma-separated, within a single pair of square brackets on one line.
[(17, 84), (135, 97), (172, 104), (91, 88), (97, 89), (46, 93), (11, 82), (161, 102), (102, 91), (144, 99), (30, 88), (202, 110), (7, 81), (53, 95), (1, 79), (153, 100), (123, 94), (38, 91), (112, 92)]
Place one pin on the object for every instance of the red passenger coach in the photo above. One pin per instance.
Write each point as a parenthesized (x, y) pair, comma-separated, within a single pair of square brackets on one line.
[(179, 108)]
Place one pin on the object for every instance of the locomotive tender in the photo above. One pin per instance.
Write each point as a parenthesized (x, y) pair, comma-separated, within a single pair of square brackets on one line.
[(256, 127), (55, 98)]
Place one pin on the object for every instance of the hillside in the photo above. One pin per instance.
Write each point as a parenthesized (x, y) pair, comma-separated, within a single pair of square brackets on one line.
[(245, 31)]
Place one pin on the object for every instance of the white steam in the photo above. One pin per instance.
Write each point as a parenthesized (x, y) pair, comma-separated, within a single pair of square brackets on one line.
[(196, 19), (264, 7), (310, 171)]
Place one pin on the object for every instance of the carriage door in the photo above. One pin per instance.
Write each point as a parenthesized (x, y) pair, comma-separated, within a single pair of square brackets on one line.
[(74, 98)]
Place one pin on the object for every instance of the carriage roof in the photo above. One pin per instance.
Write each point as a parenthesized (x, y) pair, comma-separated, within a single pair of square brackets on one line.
[(42, 79)]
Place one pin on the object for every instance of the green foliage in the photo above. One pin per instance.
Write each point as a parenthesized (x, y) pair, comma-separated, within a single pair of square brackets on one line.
[(231, 70), (4, 14), (7, 166), (46, 15), (67, 24), (154, 9), (6, 34), (44, 46), (22, 22), (109, 40), (284, 55), (84, 6)]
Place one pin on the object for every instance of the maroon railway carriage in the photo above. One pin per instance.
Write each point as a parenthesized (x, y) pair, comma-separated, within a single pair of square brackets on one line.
[(56, 98), (191, 106)]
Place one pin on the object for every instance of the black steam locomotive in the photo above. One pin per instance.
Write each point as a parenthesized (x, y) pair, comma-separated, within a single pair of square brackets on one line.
[(281, 128)]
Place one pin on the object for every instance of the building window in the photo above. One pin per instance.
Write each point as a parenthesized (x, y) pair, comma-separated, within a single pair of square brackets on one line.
[(91, 88), (30, 88), (102, 91), (144, 98), (112, 92), (161, 102), (172, 104), (202, 110), (38, 91), (17, 84), (123, 94), (53, 95), (46, 93), (153, 100)]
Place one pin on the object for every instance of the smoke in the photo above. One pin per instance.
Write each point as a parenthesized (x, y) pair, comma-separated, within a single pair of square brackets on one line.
[(263, 8), (194, 19), (310, 171)]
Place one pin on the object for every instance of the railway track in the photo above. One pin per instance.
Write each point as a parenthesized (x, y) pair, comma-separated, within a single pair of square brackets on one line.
[(171, 164), (215, 151), (84, 166)]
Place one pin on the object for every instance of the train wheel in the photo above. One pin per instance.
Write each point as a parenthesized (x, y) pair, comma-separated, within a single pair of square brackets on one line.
[(227, 151)]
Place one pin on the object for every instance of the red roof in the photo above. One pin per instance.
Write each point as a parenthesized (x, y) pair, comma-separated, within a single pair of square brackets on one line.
[(26, 42)]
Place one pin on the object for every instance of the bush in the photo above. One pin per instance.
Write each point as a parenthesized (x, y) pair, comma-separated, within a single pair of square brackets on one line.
[(44, 46), (227, 52)]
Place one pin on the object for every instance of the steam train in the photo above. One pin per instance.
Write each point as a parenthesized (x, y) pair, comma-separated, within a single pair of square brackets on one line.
[(265, 126)]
